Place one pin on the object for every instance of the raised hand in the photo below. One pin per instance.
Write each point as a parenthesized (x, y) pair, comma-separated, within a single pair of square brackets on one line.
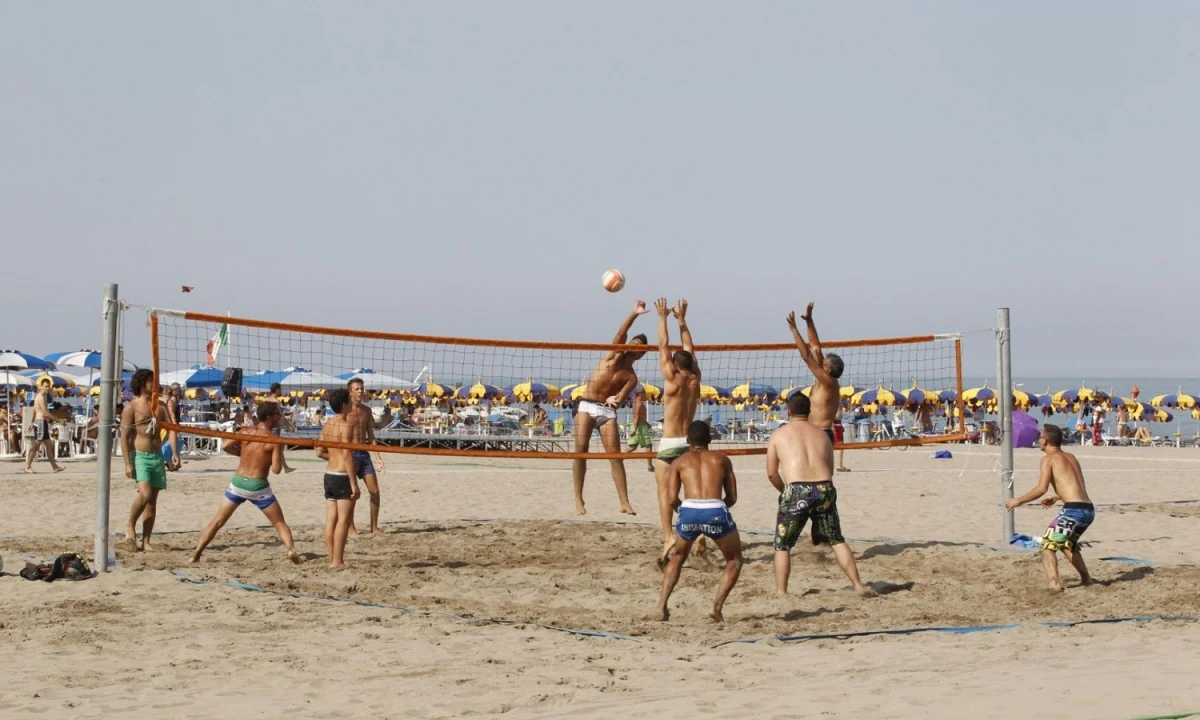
[(639, 308), (792, 319), (807, 316), (680, 310), (661, 305)]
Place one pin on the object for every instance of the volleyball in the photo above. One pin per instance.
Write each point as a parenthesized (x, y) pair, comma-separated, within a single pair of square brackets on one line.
[(612, 280)]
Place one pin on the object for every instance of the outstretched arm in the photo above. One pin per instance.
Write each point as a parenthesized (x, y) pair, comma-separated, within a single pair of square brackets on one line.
[(618, 400), (685, 334), (814, 342), (815, 366), (639, 308), (664, 340), (1038, 490)]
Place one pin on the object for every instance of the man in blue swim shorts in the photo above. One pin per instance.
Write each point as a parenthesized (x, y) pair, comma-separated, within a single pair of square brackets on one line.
[(256, 459), (1061, 470), (710, 485), (362, 431)]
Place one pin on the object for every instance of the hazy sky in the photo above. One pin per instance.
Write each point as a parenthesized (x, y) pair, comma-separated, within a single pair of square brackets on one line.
[(472, 168)]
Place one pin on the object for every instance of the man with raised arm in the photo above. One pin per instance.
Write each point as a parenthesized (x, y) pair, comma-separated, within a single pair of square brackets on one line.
[(826, 369), (607, 388), (141, 446), (362, 431), (255, 461), (1061, 470), (711, 488), (800, 466), (681, 394)]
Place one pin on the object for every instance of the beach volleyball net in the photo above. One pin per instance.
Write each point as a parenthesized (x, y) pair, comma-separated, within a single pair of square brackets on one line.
[(501, 398)]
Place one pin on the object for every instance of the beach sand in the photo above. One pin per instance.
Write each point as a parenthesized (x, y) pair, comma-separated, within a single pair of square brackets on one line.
[(481, 557)]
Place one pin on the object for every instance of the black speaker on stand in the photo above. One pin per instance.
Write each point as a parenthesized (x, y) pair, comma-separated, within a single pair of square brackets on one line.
[(231, 383)]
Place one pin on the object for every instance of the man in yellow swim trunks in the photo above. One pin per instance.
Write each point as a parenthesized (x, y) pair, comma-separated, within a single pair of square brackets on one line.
[(141, 446)]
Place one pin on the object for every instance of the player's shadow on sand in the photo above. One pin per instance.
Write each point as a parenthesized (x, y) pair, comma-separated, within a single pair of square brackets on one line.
[(414, 530), (892, 549), (1134, 575), (795, 615)]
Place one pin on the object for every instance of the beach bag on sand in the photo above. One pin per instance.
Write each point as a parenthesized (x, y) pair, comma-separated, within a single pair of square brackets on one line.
[(68, 566)]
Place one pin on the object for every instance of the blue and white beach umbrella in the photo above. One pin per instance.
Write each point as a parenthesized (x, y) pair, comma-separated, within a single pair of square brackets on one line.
[(17, 360), (81, 359)]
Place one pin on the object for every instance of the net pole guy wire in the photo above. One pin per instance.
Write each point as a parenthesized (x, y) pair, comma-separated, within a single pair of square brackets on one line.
[(156, 344), (1004, 366)]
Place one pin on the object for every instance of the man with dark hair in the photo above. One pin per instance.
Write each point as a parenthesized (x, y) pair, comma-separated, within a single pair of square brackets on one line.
[(710, 485), (341, 483), (256, 459), (141, 446), (1062, 471), (362, 432), (803, 454), (607, 388), (275, 396), (826, 369), (681, 395)]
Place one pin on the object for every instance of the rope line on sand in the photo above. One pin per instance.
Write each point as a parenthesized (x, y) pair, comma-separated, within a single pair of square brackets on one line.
[(1167, 717), (401, 608)]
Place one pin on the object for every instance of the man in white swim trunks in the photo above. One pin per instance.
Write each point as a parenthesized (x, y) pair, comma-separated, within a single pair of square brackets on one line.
[(681, 395), (607, 388)]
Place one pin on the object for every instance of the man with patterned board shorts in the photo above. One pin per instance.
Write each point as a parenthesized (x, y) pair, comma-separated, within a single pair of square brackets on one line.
[(803, 454), (1061, 470)]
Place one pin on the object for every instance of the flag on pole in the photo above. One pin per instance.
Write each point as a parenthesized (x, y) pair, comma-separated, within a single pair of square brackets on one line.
[(220, 340)]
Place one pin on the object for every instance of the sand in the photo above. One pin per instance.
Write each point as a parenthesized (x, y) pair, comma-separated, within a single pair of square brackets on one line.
[(480, 557)]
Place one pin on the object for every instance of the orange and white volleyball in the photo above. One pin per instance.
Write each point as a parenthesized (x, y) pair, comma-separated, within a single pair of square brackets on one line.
[(613, 280)]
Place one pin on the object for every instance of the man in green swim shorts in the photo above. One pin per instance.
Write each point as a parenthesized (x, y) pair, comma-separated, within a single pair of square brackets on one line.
[(250, 482), (641, 428), (141, 445)]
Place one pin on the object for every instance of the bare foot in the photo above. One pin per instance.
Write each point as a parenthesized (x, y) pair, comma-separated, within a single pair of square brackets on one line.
[(146, 544), (579, 508), (377, 532), (289, 470), (352, 533), (1055, 587), (196, 557), (29, 470), (843, 469), (662, 615), (340, 566), (1084, 582), (59, 469), (295, 557), (716, 615), (649, 468), (780, 594), (627, 510), (865, 592)]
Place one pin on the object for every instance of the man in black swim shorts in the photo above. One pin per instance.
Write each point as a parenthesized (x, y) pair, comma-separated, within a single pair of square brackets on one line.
[(341, 483)]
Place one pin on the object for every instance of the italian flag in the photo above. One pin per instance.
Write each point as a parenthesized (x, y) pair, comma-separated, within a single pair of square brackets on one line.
[(220, 340)]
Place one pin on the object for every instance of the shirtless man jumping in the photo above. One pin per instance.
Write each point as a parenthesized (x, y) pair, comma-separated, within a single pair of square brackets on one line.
[(1061, 470), (607, 388), (711, 487), (341, 482), (250, 482), (681, 395), (141, 446), (803, 454), (826, 369), (362, 430)]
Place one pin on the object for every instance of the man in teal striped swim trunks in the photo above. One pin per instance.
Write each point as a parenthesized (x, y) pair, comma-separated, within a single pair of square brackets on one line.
[(141, 446), (250, 482)]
